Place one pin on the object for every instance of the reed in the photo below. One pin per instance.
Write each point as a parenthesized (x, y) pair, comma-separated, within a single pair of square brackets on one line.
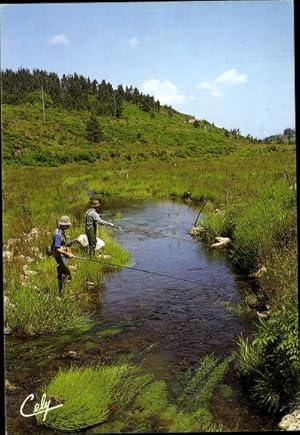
[(91, 395), (123, 399)]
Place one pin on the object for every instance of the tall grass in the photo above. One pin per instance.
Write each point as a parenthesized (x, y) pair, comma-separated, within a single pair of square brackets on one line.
[(32, 312), (123, 399), (263, 230), (91, 395), (35, 200), (269, 364)]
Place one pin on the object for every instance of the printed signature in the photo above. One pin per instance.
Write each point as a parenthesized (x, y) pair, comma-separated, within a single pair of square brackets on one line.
[(39, 408)]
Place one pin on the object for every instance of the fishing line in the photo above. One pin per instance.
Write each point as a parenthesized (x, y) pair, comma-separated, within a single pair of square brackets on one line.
[(156, 233), (159, 234), (138, 270)]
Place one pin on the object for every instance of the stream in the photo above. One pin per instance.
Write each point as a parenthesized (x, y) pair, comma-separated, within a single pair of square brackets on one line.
[(170, 322)]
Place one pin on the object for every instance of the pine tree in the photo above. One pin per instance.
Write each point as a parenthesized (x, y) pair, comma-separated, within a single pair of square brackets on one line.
[(93, 130)]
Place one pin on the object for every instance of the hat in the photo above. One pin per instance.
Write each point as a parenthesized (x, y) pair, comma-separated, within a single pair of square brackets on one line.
[(64, 220), (95, 203)]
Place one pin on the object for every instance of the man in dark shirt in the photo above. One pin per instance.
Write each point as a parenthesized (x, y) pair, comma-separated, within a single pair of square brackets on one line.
[(92, 219), (61, 252)]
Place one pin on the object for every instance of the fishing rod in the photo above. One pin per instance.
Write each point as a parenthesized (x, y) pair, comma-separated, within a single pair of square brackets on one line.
[(135, 268), (202, 207)]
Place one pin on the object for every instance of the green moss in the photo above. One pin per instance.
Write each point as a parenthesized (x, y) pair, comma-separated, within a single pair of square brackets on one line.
[(108, 428), (197, 421), (226, 391), (89, 345), (153, 399), (109, 332)]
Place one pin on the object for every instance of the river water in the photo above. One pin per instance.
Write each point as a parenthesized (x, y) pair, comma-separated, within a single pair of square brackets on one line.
[(171, 322)]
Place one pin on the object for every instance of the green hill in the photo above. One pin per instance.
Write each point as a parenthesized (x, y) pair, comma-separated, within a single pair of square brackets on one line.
[(137, 135)]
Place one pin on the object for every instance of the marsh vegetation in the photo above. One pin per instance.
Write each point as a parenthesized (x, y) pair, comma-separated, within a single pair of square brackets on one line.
[(250, 196)]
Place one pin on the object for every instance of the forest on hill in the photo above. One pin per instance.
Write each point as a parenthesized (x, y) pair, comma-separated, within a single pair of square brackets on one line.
[(48, 121), (71, 92)]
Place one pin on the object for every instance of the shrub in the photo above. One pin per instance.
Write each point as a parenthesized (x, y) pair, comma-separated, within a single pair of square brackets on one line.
[(269, 364)]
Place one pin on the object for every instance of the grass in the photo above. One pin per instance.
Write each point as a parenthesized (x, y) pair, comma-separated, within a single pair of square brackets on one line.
[(194, 389), (143, 157), (32, 312), (269, 363), (110, 332), (62, 138), (122, 398), (91, 395), (34, 306)]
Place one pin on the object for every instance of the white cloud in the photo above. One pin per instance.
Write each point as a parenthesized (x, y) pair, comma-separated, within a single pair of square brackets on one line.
[(134, 42), (231, 77), (60, 39), (217, 92), (164, 91), (223, 81)]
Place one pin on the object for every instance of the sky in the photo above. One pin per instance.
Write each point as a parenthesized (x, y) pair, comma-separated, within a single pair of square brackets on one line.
[(229, 62)]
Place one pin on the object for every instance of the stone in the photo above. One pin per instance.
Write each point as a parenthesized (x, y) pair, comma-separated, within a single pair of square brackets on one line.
[(262, 314), (27, 271), (252, 301), (219, 212), (196, 231), (7, 330), (291, 422), (104, 256), (90, 285), (72, 354), (259, 273), (9, 386), (7, 255), (186, 195), (221, 242)]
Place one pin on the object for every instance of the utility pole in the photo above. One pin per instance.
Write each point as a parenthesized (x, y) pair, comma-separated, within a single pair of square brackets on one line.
[(115, 103), (43, 103)]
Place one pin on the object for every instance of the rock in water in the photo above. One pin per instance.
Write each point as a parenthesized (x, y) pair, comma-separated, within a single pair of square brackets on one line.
[(196, 231), (291, 422), (221, 242)]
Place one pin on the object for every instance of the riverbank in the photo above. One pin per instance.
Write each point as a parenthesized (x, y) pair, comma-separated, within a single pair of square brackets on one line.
[(255, 194), (162, 325)]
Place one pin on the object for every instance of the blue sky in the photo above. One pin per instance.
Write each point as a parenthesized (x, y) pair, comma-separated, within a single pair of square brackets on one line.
[(230, 62)]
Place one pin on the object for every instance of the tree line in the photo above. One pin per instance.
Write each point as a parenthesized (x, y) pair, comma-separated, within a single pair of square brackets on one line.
[(71, 92), (288, 136)]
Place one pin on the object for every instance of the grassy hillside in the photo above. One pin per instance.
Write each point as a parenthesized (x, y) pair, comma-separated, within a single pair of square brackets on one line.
[(138, 135)]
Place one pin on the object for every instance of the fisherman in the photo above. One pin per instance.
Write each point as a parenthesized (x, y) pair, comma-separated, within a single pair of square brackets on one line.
[(62, 252), (92, 219)]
